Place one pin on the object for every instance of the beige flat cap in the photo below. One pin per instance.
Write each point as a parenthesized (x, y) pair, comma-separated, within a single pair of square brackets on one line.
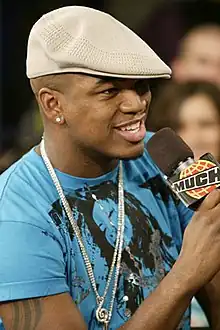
[(85, 40)]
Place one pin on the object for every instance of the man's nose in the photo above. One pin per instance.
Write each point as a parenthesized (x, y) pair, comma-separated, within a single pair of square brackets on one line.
[(133, 102)]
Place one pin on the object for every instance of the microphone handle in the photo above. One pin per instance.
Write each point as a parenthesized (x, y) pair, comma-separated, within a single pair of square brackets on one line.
[(197, 180)]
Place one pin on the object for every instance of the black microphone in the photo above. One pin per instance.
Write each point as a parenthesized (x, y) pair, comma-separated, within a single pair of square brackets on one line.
[(190, 180)]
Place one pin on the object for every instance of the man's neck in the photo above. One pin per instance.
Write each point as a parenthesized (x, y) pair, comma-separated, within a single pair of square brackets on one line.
[(73, 161)]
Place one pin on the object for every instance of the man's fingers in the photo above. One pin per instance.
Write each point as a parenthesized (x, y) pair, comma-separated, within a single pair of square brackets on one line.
[(210, 201)]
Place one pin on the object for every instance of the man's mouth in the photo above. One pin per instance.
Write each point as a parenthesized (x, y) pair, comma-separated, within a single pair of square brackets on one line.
[(134, 128), (132, 132)]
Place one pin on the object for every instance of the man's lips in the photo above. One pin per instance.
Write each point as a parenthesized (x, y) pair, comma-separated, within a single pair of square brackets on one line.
[(131, 122), (133, 132)]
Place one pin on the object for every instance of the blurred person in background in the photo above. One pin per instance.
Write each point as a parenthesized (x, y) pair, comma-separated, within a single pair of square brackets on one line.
[(28, 133), (198, 56), (30, 128), (193, 110)]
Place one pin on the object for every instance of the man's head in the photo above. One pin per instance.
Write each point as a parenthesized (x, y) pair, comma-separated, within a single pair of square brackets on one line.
[(90, 75), (102, 116), (199, 55)]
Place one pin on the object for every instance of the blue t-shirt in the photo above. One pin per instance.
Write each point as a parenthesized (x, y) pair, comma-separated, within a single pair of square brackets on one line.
[(39, 253)]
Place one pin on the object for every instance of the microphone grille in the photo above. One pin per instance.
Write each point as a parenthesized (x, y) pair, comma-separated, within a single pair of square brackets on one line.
[(168, 150)]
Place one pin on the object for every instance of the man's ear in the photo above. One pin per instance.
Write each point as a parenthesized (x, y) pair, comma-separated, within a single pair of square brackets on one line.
[(50, 103)]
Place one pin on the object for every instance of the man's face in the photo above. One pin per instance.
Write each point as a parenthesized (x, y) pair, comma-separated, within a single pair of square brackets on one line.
[(107, 117), (201, 59)]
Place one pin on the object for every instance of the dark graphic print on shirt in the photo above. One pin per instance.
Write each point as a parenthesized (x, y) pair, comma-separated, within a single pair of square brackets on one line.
[(147, 247)]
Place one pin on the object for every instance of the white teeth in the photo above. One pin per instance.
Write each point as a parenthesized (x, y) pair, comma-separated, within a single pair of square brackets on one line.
[(134, 127)]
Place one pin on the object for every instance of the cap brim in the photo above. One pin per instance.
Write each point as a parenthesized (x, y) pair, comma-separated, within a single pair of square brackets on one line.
[(165, 75)]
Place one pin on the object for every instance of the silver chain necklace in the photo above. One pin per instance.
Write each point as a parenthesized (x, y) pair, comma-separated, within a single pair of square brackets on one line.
[(103, 315)]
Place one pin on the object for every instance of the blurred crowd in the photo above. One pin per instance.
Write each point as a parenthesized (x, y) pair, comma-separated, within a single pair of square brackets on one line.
[(189, 103)]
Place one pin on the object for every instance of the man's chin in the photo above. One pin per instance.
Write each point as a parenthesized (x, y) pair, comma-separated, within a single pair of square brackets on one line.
[(133, 153)]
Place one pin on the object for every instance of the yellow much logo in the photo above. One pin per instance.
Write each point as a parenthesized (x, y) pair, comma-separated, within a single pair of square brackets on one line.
[(200, 178)]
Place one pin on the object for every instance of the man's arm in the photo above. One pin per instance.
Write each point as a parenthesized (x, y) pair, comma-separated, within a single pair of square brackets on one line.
[(162, 310), (165, 307), (209, 298), (56, 312), (196, 266)]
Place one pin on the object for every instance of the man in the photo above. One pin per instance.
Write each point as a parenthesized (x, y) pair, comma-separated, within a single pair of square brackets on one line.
[(90, 235), (199, 55)]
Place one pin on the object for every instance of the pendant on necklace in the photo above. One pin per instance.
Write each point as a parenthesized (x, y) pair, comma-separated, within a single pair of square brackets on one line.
[(102, 316), (105, 327)]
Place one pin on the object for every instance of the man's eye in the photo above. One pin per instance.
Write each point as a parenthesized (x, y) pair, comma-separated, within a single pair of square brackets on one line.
[(110, 91), (142, 87)]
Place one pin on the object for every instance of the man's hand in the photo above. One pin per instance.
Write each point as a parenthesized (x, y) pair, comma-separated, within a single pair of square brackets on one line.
[(201, 244), (209, 299)]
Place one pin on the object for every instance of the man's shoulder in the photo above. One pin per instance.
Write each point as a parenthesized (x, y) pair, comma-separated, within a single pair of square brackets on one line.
[(144, 163), (11, 177), (21, 187), (146, 156), (143, 172), (148, 136)]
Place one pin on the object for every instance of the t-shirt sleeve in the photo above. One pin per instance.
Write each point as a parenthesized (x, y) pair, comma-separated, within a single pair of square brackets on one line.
[(31, 262)]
